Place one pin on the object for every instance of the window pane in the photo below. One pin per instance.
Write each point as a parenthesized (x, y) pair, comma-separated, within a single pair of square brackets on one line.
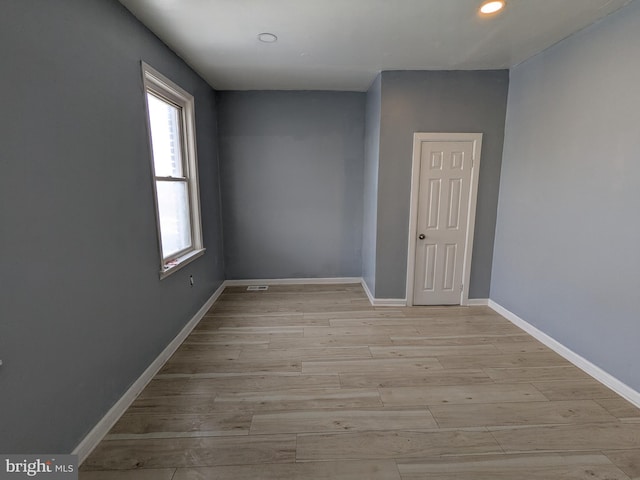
[(164, 119), (173, 210)]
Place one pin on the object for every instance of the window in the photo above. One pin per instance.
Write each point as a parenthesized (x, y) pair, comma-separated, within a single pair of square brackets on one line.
[(171, 124)]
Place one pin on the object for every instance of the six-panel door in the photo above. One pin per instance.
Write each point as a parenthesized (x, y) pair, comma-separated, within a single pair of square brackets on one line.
[(443, 208)]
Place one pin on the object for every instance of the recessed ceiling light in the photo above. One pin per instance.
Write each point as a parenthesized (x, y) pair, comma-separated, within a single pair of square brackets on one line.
[(267, 37), (492, 6)]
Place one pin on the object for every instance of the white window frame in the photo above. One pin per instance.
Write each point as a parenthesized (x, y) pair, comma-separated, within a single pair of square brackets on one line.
[(160, 86)]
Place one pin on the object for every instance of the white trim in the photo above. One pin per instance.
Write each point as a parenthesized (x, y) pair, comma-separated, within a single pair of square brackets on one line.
[(389, 302), (290, 281), (182, 262), (418, 138), (382, 302), (163, 88), (365, 287), (377, 302), (582, 363), (97, 433), (477, 302)]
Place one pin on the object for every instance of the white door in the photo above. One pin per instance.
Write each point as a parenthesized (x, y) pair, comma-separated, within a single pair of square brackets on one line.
[(441, 227)]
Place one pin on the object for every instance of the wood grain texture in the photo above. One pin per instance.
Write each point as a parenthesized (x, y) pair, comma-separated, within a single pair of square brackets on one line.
[(300, 399), (534, 413), (191, 452), (526, 375), (359, 330), (306, 354), (342, 421), (215, 382), (619, 407), (469, 328), (211, 424), (536, 359), (513, 467), (563, 438), (574, 389), (394, 444), (452, 340), (436, 395), (312, 382), (147, 474), (373, 365), (415, 351), (417, 321), (627, 460), (353, 470), (231, 366), (413, 379), (331, 341), (521, 347)]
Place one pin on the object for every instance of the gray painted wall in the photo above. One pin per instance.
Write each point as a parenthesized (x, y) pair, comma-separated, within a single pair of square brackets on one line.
[(292, 183), (443, 101), (566, 255), (371, 156), (82, 310)]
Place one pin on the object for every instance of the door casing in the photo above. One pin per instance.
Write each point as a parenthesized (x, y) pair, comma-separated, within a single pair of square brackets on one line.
[(418, 139)]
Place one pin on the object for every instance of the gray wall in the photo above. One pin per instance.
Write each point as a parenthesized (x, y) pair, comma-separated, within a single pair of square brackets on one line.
[(82, 310), (567, 256), (443, 101), (292, 169), (371, 157)]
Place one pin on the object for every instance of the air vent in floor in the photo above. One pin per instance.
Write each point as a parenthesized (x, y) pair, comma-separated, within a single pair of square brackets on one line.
[(255, 288)]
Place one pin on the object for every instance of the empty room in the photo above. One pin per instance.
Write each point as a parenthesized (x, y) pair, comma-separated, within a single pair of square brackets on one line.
[(319, 239)]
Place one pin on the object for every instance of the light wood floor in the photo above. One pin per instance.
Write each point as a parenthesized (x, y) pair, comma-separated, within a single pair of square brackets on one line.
[(311, 382)]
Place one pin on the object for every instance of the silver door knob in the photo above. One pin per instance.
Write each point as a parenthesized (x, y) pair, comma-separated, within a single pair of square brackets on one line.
[(421, 236)]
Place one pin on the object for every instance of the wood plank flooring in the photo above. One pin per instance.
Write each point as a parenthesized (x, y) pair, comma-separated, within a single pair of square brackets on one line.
[(311, 382)]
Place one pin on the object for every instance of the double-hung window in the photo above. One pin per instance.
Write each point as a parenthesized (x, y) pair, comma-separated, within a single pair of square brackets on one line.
[(171, 124)]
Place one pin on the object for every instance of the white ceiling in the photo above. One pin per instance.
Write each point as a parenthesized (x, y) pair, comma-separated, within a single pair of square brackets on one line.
[(343, 44)]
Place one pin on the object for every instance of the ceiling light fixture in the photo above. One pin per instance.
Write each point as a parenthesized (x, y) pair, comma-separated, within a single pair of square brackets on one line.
[(267, 37), (492, 6)]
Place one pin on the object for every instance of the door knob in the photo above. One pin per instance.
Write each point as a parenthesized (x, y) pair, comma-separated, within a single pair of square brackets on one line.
[(421, 236)]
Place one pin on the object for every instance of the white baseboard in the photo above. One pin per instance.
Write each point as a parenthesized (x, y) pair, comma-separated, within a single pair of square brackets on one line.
[(389, 302), (477, 302), (365, 287), (97, 433), (377, 302), (582, 363), (291, 281), (382, 302)]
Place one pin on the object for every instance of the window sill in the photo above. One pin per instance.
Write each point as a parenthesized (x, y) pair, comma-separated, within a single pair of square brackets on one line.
[(180, 262)]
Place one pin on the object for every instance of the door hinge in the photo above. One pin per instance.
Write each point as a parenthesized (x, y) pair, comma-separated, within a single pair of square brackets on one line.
[(462, 287)]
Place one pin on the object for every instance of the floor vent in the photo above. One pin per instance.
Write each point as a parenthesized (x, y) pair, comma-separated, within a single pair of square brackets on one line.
[(257, 288)]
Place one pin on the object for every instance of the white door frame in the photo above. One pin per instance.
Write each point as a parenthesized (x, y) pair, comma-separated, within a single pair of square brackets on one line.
[(418, 138)]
